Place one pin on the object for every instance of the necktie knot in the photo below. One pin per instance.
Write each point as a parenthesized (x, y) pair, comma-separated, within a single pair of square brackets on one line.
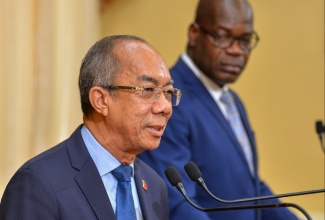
[(226, 98), (122, 173)]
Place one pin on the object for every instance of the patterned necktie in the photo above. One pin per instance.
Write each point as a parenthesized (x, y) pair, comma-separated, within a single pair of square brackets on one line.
[(238, 128), (125, 209)]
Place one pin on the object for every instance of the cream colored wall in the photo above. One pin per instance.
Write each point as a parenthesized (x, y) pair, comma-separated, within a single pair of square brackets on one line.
[(41, 46), (283, 85)]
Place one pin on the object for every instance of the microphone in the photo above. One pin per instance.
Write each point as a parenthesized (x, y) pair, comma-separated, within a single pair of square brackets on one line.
[(195, 175), (175, 179), (320, 129)]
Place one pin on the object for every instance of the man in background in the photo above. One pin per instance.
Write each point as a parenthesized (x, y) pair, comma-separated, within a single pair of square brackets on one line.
[(211, 127), (127, 96)]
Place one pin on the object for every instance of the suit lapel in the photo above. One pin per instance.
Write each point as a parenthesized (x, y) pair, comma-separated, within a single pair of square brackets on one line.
[(209, 102), (92, 186), (88, 178), (144, 196), (194, 86)]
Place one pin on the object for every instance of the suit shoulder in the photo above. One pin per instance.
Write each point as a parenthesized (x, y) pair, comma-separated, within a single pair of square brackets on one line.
[(49, 156)]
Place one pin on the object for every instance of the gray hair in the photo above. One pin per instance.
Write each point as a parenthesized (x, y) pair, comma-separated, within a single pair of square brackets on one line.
[(100, 67)]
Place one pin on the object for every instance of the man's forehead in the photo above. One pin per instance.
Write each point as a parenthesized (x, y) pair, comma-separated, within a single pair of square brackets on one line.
[(141, 63), (129, 46), (230, 11)]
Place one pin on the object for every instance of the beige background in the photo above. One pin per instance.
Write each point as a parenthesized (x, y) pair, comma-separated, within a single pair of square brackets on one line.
[(42, 43)]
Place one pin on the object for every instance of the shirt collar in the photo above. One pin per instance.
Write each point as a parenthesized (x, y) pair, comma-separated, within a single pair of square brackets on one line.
[(207, 82), (104, 161)]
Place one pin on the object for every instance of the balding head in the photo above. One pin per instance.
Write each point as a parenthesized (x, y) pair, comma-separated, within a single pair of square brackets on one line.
[(101, 65), (209, 10)]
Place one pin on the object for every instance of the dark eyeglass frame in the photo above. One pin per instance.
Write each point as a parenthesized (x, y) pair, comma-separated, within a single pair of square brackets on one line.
[(174, 99), (229, 40)]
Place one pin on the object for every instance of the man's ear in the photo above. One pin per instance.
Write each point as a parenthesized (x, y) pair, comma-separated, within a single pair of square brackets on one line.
[(98, 98), (193, 31)]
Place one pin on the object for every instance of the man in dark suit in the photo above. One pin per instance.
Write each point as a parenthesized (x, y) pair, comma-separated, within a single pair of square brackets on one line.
[(219, 44), (126, 97)]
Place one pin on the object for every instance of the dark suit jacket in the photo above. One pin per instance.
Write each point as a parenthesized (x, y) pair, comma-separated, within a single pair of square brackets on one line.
[(198, 131), (63, 183)]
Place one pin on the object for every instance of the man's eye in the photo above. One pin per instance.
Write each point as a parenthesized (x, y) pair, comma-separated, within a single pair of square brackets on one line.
[(221, 37), (149, 89), (148, 92), (169, 91)]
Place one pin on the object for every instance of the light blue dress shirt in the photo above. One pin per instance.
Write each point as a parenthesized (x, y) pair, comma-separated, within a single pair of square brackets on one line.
[(105, 163)]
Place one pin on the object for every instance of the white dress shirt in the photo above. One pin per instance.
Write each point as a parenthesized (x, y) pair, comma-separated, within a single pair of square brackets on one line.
[(212, 87)]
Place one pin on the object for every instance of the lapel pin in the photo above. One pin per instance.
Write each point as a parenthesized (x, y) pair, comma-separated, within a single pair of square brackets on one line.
[(144, 185)]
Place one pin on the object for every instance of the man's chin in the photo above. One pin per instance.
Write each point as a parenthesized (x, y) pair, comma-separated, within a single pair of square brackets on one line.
[(229, 78), (221, 83), (152, 146)]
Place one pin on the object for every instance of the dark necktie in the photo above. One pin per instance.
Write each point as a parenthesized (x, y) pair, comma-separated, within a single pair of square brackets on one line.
[(125, 209), (238, 128)]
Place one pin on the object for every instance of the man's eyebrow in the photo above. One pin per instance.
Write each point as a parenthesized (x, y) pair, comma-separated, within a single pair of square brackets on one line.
[(228, 30), (147, 78), (170, 82)]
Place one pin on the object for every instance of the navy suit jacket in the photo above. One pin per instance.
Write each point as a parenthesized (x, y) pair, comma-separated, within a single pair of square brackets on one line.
[(198, 131), (64, 183)]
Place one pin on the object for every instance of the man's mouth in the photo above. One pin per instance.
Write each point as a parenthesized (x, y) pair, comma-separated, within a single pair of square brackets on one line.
[(230, 68), (156, 130)]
